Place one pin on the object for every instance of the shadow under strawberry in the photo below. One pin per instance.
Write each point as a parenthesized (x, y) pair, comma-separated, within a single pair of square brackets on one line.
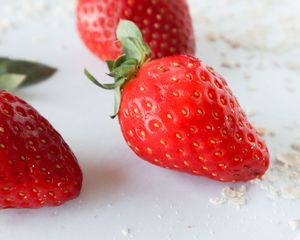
[(102, 181)]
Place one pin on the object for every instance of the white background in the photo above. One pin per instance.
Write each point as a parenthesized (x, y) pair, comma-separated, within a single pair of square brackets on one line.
[(122, 193)]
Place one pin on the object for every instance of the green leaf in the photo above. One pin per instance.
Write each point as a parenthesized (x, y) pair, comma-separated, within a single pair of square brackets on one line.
[(131, 49), (110, 64), (133, 45), (35, 72), (119, 61), (146, 50), (131, 38), (130, 61), (108, 86), (117, 101), (122, 71), (10, 81), (127, 29)]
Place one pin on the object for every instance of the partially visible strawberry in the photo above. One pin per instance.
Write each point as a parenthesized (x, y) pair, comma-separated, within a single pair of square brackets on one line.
[(37, 168), (178, 113), (166, 25)]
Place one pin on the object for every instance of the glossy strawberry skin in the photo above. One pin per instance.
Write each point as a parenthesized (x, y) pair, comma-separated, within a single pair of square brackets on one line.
[(179, 114), (166, 25), (37, 168)]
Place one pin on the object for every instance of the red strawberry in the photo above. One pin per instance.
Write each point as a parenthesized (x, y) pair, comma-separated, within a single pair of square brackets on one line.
[(166, 25), (37, 168), (178, 113)]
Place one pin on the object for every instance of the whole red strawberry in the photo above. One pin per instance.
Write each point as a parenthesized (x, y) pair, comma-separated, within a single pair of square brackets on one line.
[(166, 25), (37, 168), (178, 113)]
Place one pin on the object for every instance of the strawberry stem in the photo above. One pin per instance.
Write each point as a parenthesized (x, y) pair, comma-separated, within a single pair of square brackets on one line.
[(135, 53)]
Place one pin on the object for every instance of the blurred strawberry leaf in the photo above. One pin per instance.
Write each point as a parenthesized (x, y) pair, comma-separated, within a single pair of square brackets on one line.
[(10, 81), (33, 71)]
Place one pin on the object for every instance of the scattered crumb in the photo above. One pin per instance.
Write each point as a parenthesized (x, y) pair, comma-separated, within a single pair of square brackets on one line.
[(272, 133), (247, 75), (257, 34), (290, 192), (232, 195), (261, 131), (255, 181), (231, 42), (282, 181), (293, 66), (126, 231), (296, 146), (291, 159), (217, 201), (212, 36), (295, 224), (230, 64)]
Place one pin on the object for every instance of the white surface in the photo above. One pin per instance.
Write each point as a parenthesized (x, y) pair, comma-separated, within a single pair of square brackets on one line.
[(123, 196)]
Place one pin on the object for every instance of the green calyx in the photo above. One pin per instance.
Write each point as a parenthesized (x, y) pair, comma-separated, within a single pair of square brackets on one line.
[(135, 53)]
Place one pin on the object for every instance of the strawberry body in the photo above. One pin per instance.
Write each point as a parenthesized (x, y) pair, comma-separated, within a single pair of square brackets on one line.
[(179, 114), (37, 167), (165, 25)]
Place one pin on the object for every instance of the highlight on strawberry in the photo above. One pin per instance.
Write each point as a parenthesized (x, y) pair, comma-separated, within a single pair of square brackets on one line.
[(37, 167), (166, 25), (178, 113)]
